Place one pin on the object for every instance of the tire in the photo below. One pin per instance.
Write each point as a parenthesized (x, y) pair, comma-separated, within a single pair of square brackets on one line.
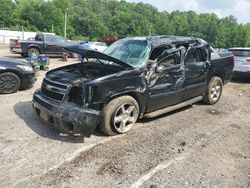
[(214, 91), (33, 52), (9, 83), (125, 110)]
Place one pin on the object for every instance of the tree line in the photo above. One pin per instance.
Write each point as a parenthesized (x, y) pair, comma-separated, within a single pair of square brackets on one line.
[(94, 19)]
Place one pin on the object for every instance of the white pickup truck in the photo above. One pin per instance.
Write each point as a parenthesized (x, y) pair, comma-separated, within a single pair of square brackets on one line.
[(242, 61)]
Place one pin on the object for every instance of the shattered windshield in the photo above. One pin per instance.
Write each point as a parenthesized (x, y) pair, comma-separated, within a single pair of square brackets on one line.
[(133, 52)]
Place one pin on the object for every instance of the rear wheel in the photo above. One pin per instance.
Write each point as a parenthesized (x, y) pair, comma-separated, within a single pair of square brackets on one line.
[(9, 83), (33, 52), (214, 91), (119, 115)]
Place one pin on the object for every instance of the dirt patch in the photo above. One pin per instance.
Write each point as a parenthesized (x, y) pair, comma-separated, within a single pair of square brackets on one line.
[(235, 126), (213, 111)]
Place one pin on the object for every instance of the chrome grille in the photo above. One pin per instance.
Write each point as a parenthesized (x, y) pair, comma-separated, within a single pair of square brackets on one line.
[(54, 90), (55, 84)]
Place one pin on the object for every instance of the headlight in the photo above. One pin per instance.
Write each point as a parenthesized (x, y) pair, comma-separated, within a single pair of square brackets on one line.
[(25, 68)]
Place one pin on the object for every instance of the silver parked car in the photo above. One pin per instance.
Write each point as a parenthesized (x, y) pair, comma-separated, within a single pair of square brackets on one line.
[(242, 61)]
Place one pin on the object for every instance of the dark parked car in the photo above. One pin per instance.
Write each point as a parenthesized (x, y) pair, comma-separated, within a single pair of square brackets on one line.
[(131, 79), (43, 44), (15, 75)]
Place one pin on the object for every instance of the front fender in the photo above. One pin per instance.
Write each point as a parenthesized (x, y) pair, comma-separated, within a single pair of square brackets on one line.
[(34, 46), (140, 97), (133, 86)]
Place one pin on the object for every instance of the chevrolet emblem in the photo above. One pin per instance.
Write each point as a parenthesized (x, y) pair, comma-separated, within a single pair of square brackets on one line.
[(49, 87)]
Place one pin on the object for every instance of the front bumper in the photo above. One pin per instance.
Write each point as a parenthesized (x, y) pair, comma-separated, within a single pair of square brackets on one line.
[(67, 117), (16, 50)]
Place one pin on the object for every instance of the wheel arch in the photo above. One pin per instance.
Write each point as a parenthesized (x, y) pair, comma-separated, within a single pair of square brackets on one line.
[(15, 73), (139, 97), (34, 46), (219, 74)]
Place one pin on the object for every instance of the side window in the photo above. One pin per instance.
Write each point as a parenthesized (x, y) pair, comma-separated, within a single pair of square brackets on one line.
[(193, 56), (157, 52), (59, 39), (204, 54), (214, 53), (47, 37), (51, 38), (170, 61), (39, 38)]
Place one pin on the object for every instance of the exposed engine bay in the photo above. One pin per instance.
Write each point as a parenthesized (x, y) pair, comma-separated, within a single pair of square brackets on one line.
[(82, 72)]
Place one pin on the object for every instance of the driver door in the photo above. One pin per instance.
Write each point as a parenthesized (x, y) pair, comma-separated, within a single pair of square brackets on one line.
[(166, 83)]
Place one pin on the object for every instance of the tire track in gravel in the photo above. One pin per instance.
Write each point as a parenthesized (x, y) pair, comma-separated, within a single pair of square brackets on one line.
[(124, 160)]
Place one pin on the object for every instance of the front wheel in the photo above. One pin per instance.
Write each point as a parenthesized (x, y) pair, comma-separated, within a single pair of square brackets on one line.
[(9, 83), (119, 115), (214, 91)]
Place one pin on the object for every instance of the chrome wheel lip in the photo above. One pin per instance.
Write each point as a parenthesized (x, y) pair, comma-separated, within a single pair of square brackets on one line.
[(216, 91), (34, 53), (124, 118)]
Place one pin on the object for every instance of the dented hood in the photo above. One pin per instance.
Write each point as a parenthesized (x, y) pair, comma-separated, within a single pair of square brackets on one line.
[(92, 54)]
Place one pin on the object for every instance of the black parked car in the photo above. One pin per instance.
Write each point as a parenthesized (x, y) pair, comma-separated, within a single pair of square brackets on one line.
[(133, 78), (15, 75), (43, 44)]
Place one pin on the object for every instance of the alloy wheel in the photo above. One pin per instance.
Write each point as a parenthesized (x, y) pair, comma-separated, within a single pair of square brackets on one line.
[(124, 118)]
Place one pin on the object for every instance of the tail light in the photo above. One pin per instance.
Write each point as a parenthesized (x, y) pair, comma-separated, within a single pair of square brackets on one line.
[(18, 44), (248, 59)]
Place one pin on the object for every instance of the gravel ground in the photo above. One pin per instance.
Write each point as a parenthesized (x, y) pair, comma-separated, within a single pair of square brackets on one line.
[(198, 146)]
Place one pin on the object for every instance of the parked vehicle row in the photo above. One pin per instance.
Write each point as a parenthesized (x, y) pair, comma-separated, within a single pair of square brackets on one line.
[(44, 43)]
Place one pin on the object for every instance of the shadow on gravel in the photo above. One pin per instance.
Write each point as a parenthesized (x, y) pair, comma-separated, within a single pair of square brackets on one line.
[(165, 115), (25, 111), (241, 80), (14, 57)]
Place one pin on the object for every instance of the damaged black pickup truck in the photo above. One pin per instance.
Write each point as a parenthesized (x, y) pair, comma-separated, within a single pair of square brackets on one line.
[(134, 78)]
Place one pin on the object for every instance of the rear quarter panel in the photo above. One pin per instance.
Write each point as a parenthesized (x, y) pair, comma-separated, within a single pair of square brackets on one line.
[(222, 67), (25, 45)]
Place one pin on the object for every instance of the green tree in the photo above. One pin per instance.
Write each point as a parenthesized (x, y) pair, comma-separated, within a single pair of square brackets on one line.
[(93, 19), (8, 16)]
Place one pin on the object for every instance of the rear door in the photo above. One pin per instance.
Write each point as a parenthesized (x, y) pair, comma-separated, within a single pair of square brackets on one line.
[(196, 67), (166, 84)]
